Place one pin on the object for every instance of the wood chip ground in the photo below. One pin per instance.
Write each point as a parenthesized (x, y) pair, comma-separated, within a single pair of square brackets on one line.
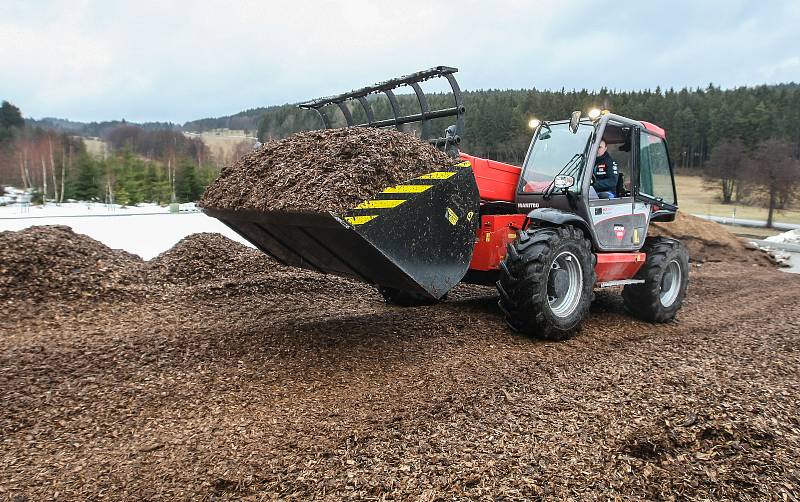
[(260, 382)]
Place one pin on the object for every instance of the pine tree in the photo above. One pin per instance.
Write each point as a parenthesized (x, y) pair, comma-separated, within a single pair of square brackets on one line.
[(87, 184), (187, 184)]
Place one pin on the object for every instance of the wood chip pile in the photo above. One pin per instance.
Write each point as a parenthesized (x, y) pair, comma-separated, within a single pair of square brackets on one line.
[(708, 241), (54, 262), (209, 265), (207, 257), (333, 169)]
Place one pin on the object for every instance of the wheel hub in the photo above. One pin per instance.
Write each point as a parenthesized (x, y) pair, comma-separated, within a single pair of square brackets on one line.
[(564, 284), (558, 283)]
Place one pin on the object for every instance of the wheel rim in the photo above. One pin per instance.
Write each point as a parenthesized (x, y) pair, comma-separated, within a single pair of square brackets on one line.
[(564, 300), (670, 283)]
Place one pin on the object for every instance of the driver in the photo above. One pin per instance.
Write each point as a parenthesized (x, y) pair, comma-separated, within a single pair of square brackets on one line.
[(605, 174)]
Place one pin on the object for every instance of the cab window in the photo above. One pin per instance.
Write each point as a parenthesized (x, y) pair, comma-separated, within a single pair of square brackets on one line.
[(655, 178), (556, 150), (618, 138)]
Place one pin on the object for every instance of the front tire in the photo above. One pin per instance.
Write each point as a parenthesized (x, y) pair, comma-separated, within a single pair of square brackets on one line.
[(666, 277), (546, 282)]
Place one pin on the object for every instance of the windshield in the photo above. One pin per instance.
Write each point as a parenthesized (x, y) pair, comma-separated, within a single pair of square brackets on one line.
[(554, 149)]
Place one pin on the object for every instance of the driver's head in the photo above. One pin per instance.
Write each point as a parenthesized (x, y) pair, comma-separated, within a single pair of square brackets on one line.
[(601, 150)]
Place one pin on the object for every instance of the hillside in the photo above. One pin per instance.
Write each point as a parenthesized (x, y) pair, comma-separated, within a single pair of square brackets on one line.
[(91, 129)]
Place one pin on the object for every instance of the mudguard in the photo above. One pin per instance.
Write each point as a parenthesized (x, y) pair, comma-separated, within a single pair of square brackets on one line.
[(558, 217)]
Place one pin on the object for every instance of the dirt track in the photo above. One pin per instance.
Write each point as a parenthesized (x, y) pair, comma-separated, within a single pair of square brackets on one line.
[(265, 388)]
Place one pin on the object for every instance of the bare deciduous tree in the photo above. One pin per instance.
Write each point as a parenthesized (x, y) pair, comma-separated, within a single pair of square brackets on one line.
[(775, 170), (726, 166), (44, 182), (53, 169)]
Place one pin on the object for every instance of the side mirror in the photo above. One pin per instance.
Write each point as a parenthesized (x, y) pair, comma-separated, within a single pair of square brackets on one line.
[(573, 121), (563, 181)]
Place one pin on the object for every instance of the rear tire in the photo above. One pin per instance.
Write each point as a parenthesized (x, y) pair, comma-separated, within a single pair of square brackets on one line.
[(402, 298), (546, 282), (666, 276)]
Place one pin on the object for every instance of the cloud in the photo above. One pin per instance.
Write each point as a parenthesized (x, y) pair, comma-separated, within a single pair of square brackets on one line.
[(149, 60)]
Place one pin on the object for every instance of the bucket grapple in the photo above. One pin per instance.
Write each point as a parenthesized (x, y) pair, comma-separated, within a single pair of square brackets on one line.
[(417, 236)]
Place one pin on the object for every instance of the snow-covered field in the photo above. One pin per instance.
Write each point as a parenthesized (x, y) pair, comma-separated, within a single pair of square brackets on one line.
[(145, 230)]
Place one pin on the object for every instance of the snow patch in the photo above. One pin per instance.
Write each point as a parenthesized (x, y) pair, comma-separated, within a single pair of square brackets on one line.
[(146, 230), (790, 237)]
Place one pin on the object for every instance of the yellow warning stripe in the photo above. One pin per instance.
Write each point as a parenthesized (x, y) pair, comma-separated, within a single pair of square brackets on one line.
[(394, 202), (406, 189), (379, 204), (437, 175), (360, 220), (466, 163)]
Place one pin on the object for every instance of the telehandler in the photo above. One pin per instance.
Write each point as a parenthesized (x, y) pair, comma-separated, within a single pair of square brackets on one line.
[(540, 232)]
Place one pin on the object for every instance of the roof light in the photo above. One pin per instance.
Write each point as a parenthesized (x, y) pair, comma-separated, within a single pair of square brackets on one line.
[(534, 123), (594, 113)]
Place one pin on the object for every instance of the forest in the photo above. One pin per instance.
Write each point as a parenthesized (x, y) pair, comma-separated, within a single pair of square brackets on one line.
[(497, 120), (159, 165), (726, 134)]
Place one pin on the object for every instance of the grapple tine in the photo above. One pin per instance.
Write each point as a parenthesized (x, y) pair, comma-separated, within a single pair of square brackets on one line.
[(346, 112), (325, 120), (395, 107), (367, 109), (459, 104), (424, 110)]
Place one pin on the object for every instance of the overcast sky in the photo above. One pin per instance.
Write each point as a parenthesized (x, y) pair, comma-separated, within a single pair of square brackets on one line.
[(177, 61)]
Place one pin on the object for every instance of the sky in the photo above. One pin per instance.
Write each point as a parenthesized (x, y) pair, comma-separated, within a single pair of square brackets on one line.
[(177, 61)]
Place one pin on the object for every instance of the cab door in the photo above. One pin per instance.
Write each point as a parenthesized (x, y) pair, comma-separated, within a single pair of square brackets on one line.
[(654, 186), (615, 221)]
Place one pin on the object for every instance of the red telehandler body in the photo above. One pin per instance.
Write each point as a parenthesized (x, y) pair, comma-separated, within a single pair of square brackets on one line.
[(540, 232)]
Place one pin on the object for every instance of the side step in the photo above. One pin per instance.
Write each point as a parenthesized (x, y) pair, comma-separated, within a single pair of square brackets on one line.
[(618, 269), (624, 282)]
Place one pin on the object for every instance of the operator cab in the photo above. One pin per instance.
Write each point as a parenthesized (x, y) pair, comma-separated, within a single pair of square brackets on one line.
[(557, 184), (618, 140)]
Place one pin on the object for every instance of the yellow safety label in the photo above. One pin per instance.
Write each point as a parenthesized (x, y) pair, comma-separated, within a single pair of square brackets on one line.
[(488, 237), (636, 236), (437, 175), (407, 189), (466, 163), (379, 204), (512, 236), (360, 220), (470, 215), (452, 217)]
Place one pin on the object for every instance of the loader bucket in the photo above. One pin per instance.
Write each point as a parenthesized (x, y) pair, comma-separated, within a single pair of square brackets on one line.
[(417, 236)]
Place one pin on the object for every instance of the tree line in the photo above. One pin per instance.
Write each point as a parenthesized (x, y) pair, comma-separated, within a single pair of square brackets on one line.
[(496, 120), (92, 129), (744, 140), (706, 127)]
